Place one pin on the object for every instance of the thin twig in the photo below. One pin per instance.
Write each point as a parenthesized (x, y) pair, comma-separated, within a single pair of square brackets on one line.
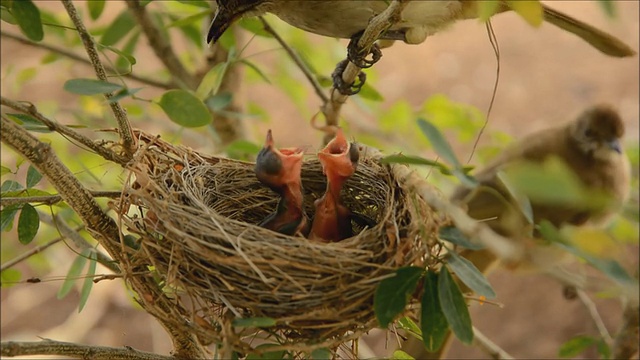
[(77, 351), (161, 46), (80, 59), (126, 135), (297, 60), (595, 315), (79, 244), (376, 27), (52, 199), (36, 250), (65, 130), (488, 346)]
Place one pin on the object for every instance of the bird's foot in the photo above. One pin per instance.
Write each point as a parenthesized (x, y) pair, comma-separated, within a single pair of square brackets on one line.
[(344, 88), (357, 55)]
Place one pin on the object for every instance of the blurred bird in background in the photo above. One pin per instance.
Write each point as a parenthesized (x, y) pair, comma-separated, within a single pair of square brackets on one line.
[(279, 169)]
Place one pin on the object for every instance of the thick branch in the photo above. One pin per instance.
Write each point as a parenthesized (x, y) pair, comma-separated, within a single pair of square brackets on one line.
[(625, 345), (376, 27), (161, 46), (52, 199), (103, 228), (80, 59), (65, 130), (71, 350), (126, 135)]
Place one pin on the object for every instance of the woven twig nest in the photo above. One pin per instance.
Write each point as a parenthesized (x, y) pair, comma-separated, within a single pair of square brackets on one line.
[(195, 216)]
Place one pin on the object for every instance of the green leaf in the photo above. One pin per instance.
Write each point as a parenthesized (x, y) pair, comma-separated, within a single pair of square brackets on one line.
[(433, 322), (454, 307), (242, 149), (470, 275), (126, 60), (198, 3), (408, 325), (73, 273), (256, 69), (123, 94), (219, 101), (131, 241), (453, 235), (265, 355), (10, 277), (255, 26), (321, 354), (28, 224), (7, 214), (530, 10), (88, 281), (609, 7), (487, 8), (29, 123), (401, 355), (121, 26), (5, 170), (603, 349), (184, 108), (95, 8), (211, 80), (414, 160), (576, 346), (195, 18), (6, 16), (90, 86), (33, 177), (392, 294), (370, 93), (261, 322), (27, 15), (10, 185)]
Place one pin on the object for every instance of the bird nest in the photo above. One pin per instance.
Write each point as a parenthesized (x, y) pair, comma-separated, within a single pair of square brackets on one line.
[(194, 216)]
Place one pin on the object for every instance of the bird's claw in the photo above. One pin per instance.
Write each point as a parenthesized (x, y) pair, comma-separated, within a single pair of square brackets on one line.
[(357, 56), (341, 86)]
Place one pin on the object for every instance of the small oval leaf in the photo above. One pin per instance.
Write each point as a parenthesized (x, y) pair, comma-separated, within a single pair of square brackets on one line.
[(90, 86), (401, 355), (261, 322), (454, 307), (433, 323), (33, 177), (120, 27), (470, 275), (95, 8), (10, 277), (28, 224), (27, 15), (576, 346), (7, 215), (184, 108), (453, 235), (392, 294)]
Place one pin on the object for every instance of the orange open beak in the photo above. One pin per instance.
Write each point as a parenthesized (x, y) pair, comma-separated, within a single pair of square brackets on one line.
[(277, 167), (339, 158)]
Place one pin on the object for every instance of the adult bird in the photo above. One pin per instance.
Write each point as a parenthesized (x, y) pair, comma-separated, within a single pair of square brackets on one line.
[(332, 219), (279, 169)]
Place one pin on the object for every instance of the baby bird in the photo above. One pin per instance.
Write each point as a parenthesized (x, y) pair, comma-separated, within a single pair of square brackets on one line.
[(332, 220), (279, 169)]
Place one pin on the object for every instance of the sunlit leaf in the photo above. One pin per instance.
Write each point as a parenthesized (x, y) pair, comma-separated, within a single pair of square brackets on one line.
[(392, 294), (124, 93), (487, 8), (242, 149), (370, 93), (453, 235), (27, 15), (470, 275), (90, 86), (119, 28), (255, 69), (401, 355), (10, 277), (73, 273), (28, 224), (265, 354), (454, 307), (262, 322), (33, 177), (219, 101), (576, 346), (254, 25), (408, 325), (433, 322), (126, 60), (211, 80), (6, 16), (198, 3), (95, 8), (530, 10), (7, 214), (184, 108), (88, 281), (321, 354), (603, 349), (29, 122), (5, 170), (190, 19), (10, 185)]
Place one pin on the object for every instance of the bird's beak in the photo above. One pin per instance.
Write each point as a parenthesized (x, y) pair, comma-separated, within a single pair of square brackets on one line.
[(282, 166), (615, 145), (221, 22), (338, 158)]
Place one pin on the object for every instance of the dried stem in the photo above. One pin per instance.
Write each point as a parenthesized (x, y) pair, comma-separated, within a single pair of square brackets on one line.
[(103, 228), (70, 350), (488, 346), (161, 46), (297, 60), (376, 27), (595, 315), (126, 135), (52, 199), (65, 130), (80, 59)]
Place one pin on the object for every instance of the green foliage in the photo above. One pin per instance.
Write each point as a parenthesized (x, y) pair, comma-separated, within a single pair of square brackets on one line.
[(90, 86), (9, 277), (453, 235), (27, 15), (392, 294), (434, 324), (28, 224), (454, 307), (321, 354), (261, 322), (119, 28), (470, 275), (87, 285), (184, 108), (401, 355), (264, 354), (73, 274), (580, 344)]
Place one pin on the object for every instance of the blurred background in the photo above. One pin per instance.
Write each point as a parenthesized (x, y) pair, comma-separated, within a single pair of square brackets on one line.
[(547, 76)]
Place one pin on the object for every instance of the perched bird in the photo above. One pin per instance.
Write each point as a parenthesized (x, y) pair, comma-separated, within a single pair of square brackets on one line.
[(279, 169), (420, 19), (332, 219)]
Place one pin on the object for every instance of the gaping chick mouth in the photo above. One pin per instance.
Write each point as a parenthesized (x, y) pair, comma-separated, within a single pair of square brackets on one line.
[(337, 157)]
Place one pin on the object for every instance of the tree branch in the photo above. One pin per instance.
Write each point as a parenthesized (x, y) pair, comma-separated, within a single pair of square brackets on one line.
[(297, 60), (105, 230), (80, 59), (126, 135), (625, 344), (65, 130), (52, 199), (71, 350), (488, 346), (595, 315), (376, 27), (36, 250), (161, 47)]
